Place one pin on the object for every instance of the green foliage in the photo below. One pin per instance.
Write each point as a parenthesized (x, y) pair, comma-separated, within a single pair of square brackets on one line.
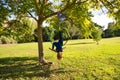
[(117, 32), (7, 40), (112, 31), (81, 19), (117, 18), (77, 11), (4, 40), (75, 33), (19, 30), (50, 34), (46, 34), (4, 12), (26, 30), (97, 35), (77, 18), (108, 33)]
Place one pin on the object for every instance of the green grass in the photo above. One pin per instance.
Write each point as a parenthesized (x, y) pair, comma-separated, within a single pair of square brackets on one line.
[(82, 60)]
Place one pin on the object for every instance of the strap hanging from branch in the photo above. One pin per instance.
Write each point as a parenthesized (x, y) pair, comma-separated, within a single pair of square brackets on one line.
[(61, 18)]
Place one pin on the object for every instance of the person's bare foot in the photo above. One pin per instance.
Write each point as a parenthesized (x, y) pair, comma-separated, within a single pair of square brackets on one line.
[(52, 49)]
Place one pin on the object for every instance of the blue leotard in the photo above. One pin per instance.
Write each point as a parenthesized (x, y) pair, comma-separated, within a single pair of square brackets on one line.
[(58, 44)]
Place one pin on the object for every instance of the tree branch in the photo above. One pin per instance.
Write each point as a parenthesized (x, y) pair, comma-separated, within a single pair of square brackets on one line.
[(84, 1), (45, 1), (32, 16), (36, 6), (67, 6), (110, 4), (104, 4), (80, 2)]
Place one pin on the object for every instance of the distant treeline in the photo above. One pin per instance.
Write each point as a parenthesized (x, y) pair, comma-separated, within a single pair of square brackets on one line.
[(8, 36), (28, 33), (111, 33)]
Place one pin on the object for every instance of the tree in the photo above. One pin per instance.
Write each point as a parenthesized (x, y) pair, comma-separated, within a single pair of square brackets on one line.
[(96, 34), (117, 18), (4, 12), (108, 33), (41, 10), (19, 30), (113, 30)]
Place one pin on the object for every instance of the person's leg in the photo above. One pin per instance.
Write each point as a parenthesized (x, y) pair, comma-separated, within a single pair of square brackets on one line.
[(60, 44), (53, 45), (60, 38)]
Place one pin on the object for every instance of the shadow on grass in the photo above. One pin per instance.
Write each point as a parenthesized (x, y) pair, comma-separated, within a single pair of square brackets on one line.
[(25, 67), (82, 43)]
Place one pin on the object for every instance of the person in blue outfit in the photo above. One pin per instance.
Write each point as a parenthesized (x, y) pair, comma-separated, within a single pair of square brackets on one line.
[(58, 46)]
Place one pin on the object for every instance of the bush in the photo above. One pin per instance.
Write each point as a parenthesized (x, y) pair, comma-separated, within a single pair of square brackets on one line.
[(5, 40), (12, 41), (96, 35), (0, 41)]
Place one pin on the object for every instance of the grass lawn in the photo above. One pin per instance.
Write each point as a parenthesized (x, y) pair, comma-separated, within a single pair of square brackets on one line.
[(82, 60)]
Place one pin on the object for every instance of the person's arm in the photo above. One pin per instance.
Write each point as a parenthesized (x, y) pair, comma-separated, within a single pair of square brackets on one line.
[(53, 44)]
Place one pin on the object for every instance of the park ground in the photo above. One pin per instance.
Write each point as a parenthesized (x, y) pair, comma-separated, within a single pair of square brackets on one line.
[(82, 60)]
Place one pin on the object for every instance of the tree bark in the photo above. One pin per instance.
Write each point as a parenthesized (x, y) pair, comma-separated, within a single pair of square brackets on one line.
[(40, 41)]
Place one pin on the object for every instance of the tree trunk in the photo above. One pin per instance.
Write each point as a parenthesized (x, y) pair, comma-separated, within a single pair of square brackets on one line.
[(40, 42)]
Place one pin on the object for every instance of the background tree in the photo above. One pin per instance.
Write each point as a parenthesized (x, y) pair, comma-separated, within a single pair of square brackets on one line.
[(97, 33), (113, 30), (19, 30), (4, 12)]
